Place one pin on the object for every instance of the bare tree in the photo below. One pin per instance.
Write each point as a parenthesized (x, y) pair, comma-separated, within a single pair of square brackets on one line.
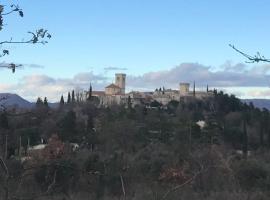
[(251, 59), (39, 36)]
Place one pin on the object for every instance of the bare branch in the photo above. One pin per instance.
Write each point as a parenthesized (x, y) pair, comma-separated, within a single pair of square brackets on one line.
[(4, 166), (252, 59), (38, 37), (14, 8), (123, 186), (182, 185)]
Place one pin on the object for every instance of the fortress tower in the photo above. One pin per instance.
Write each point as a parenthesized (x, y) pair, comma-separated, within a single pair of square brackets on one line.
[(184, 89), (120, 81)]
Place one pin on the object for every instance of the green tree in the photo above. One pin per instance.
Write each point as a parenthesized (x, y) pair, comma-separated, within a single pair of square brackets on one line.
[(155, 104), (89, 93), (39, 102), (69, 98), (4, 120), (68, 127), (129, 102), (45, 102), (62, 101), (73, 96)]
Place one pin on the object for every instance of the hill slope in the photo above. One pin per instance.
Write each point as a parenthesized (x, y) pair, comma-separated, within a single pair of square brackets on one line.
[(14, 100)]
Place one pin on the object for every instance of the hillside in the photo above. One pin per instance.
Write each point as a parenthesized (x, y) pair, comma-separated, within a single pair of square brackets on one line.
[(138, 153), (11, 100)]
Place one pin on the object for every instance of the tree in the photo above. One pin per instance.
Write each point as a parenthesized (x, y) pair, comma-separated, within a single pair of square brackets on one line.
[(90, 93), (45, 102), (155, 104), (69, 98), (38, 36), (39, 102), (252, 59), (129, 102), (68, 127), (73, 96), (245, 137), (62, 101), (4, 120)]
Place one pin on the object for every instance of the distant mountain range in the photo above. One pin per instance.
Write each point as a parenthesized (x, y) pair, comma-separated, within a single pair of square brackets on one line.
[(14, 100), (259, 103), (10, 100)]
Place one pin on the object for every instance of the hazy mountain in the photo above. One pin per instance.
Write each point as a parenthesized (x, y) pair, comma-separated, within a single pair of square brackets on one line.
[(259, 103), (9, 100)]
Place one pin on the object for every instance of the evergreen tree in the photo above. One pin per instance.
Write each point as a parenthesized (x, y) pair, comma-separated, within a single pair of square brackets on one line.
[(245, 136), (69, 98), (39, 102), (73, 96), (67, 127), (4, 120), (62, 101), (129, 102), (45, 102), (90, 93), (194, 92)]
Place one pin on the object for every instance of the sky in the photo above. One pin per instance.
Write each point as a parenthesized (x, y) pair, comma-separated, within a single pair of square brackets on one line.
[(155, 42)]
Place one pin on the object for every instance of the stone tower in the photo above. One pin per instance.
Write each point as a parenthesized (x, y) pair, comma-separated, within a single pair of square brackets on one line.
[(120, 81), (184, 89)]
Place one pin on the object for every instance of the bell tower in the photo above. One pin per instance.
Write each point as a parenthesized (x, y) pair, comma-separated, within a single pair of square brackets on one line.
[(120, 81)]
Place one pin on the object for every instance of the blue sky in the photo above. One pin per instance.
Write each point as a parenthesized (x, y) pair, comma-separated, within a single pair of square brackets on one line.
[(143, 36)]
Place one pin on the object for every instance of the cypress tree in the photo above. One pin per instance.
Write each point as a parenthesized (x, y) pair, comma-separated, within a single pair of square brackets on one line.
[(62, 101), (90, 93), (73, 96), (69, 98), (194, 93), (45, 102), (39, 102), (129, 102)]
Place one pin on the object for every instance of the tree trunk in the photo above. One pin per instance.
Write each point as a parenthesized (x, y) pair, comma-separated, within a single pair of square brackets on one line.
[(245, 139), (261, 135)]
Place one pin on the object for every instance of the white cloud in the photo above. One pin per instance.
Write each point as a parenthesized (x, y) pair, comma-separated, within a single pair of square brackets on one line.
[(36, 85), (229, 76)]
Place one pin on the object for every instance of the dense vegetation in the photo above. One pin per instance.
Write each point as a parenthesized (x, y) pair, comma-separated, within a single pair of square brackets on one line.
[(137, 153)]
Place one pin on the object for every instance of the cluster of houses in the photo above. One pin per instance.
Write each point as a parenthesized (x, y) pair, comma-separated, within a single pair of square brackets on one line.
[(115, 94)]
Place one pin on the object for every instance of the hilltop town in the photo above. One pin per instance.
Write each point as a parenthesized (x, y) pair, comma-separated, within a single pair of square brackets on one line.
[(115, 93)]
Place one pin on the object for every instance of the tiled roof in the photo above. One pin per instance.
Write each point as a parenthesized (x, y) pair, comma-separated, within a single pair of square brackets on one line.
[(98, 93), (113, 86)]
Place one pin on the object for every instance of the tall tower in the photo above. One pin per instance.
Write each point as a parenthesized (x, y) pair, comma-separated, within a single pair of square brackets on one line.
[(184, 89), (120, 81)]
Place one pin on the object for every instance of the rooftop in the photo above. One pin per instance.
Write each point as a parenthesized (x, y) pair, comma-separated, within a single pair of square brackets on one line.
[(113, 86)]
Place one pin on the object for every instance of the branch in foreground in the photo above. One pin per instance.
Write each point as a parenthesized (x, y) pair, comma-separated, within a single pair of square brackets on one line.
[(38, 37), (252, 59)]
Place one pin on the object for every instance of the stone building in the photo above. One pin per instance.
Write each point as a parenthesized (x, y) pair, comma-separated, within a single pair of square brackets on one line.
[(115, 94)]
